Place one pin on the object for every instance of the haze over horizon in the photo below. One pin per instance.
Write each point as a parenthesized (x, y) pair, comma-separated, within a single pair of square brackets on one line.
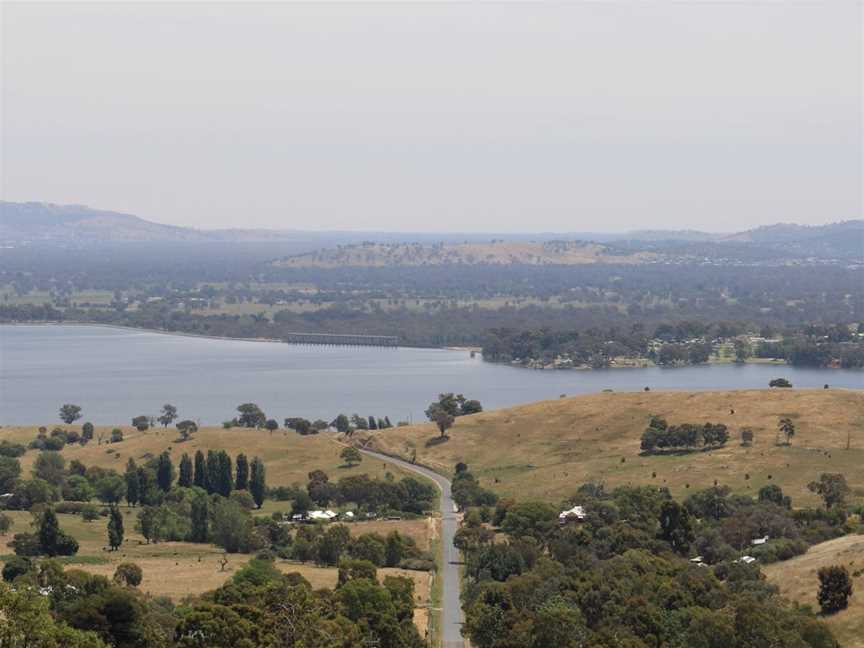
[(437, 117)]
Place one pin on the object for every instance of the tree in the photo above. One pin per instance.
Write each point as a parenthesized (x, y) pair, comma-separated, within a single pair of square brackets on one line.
[(746, 437), (471, 407), (341, 423), (272, 425), (10, 471), (257, 482), (52, 540), (835, 588), (231, 526), (117, 435), (168, 415), (242, 470), (200, 518), (186, 429), (780, 382), (185, 479), (675, 526), (111, 488), (70, 413), (164, 471), (141, 423), (87, 432), (200, 479), (786, 427), (27, 621), (115, 528), (351, 456), (147, 522), (51, 467), (251, 416), (774, 494), (49, 532), (831, 487), (128, 574), (212, 471), (133, 485), (225, 480), (441, 417)]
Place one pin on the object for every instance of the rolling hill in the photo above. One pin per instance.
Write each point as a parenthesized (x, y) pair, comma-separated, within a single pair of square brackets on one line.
[(546, 450)]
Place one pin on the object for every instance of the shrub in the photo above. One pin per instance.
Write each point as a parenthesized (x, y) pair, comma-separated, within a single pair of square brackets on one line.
[(128, 574), (117, 435), (15, 567), (70, 507), (89, 512), (5, 523), (8, 449), (835, 588)]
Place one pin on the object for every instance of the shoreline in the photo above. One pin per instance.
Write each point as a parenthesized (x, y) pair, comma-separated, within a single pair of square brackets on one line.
[(466, 349)]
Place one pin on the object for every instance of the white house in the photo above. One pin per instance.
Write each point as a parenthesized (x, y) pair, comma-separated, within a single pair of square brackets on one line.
[(759, 541), (321, 516), (577, 514)]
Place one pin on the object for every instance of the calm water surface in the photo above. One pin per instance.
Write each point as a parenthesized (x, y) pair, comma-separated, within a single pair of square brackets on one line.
[(115, 374)]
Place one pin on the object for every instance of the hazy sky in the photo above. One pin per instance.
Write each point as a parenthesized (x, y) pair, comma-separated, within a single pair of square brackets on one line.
[(476, 116)]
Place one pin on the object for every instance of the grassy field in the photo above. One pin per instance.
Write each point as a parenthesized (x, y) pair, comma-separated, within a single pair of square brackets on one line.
[(798, 582), (288, 456), (546, 450), (181, 569)]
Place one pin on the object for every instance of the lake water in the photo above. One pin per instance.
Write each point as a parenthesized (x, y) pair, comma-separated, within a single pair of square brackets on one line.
[(115, 374)]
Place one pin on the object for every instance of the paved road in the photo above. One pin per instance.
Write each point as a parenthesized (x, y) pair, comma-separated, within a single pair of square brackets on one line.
[(451, 606)]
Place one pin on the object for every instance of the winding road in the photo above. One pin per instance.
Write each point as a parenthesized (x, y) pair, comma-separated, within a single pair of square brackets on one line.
[(451, 606)]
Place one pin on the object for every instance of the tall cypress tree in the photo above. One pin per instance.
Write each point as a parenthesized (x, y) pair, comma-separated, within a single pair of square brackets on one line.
[(212, 471), (115, 528), (226, 480), (49, 532), (242, 482), (164, 471), (200, 470), (146, 494), (199, 517), (185, 478), (257, 482), (133, 486)]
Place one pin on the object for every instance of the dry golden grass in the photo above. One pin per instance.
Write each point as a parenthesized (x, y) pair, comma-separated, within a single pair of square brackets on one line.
[(798, 581), (547, 449), (288, 456)]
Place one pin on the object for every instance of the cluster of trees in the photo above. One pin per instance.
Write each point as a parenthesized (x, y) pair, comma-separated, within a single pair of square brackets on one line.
[(408, 495), (466, 490), (332, 545), (660, 436), (676, 343), (257, 606), (622, 576)]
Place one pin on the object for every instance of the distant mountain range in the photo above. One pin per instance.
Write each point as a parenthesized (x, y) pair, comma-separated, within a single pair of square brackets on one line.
[(36, 222)]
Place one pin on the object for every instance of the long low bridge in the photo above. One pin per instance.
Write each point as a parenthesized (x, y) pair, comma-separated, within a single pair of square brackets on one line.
[(341, 339)]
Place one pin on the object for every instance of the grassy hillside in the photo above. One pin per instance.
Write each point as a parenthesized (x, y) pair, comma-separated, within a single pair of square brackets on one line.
[(798, 581), (547, 449), (287, 456)]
